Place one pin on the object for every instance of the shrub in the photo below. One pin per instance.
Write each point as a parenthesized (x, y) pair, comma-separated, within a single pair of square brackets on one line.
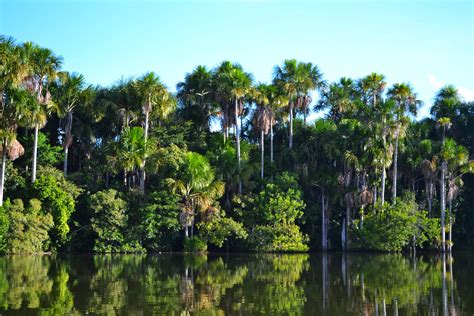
[(195, 244), (278, 238), (393, 227)]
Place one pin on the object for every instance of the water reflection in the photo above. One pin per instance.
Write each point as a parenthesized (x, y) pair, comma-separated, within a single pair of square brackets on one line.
[(269, 284)]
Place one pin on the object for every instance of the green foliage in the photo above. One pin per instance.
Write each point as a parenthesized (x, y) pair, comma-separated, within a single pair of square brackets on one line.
[(28, 227), (270, 216), (195, 244), (395, 227), (48, 155), (4, 225), (57, 196), (219, 228), (278, 238), (109, 222), (160, 221)]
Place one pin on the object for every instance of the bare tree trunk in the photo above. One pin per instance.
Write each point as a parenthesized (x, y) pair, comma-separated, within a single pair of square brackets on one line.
[(237, 139), (384, 173), (35, 154), (66, 152), (443, 204), (68, 140), (324, 219), (2, 175), (450, 244), (271, 139), (290, 143), (142, 167), (395, 165), (262, 151)]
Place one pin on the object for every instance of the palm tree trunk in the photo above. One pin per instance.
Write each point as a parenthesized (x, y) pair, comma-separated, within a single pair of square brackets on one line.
[(395, 166), (324, 221), (450, 225), (142, 167), (271, 139), (66, 151), (290, 143), (68, 140), (35, 154), (237, 139), (4, 166), (384, 173), (443, 205), (262, 151)]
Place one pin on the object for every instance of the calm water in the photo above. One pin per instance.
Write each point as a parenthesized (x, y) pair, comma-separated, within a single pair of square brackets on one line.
[(301, 284)]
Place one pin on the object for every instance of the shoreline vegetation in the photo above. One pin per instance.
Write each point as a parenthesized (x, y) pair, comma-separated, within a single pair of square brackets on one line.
[(227, 163)]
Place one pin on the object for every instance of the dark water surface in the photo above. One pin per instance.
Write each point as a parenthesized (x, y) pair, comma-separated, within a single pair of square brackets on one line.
[(269, 284)]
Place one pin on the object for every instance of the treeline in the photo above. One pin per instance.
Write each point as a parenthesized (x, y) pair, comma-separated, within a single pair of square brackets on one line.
[(226, 162)]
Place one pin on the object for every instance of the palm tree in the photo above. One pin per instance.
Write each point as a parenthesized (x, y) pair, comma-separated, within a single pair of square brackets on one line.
[(405, 102), (69, 91), (13, 100), (13, 71), (44, 67), (130, 151), (195, 95), (153, 94), (371, 88), (338, 98), (286, 76), (261, 118), (236, 84), (458, 162), (447, 103), (196, 187), (445, 124), (309, 79), (277, 100)]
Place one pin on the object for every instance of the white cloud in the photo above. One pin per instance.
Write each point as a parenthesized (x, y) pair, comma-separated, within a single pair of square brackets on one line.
[(466, 93)]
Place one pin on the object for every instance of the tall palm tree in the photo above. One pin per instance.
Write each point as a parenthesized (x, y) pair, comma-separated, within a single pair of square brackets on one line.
[(338, 98), (309, 79), (286, 76), (277, 101), (69, 91), (153, 95), (130, 151), (261, 119), (371, 88), (446, 153), (447, 103), (195, 184), (195, 95), (236, 85), (13, 71), (44, 67), (405, 102)]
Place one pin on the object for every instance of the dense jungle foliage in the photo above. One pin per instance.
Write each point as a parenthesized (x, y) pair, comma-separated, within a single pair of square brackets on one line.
[(227, 163)]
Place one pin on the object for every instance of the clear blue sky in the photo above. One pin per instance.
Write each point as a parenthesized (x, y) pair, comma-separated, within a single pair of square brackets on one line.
[(426, 43)]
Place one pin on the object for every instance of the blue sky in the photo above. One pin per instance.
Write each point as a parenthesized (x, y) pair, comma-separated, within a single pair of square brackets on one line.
[(425, 43)]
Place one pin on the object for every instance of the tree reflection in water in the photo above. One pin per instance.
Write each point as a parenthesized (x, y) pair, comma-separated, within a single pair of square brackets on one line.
[(270, 284)]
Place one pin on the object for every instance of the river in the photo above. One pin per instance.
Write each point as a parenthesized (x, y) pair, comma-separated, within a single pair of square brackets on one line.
[(237, 284)]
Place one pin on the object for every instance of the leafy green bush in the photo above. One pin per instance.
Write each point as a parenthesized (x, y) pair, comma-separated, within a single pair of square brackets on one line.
[(109, 222), (28, 227), (278, 238), (4, 225), (395, 227), (195, 244), (160, 221), (271, 216), (220, 228), (57, 196)]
